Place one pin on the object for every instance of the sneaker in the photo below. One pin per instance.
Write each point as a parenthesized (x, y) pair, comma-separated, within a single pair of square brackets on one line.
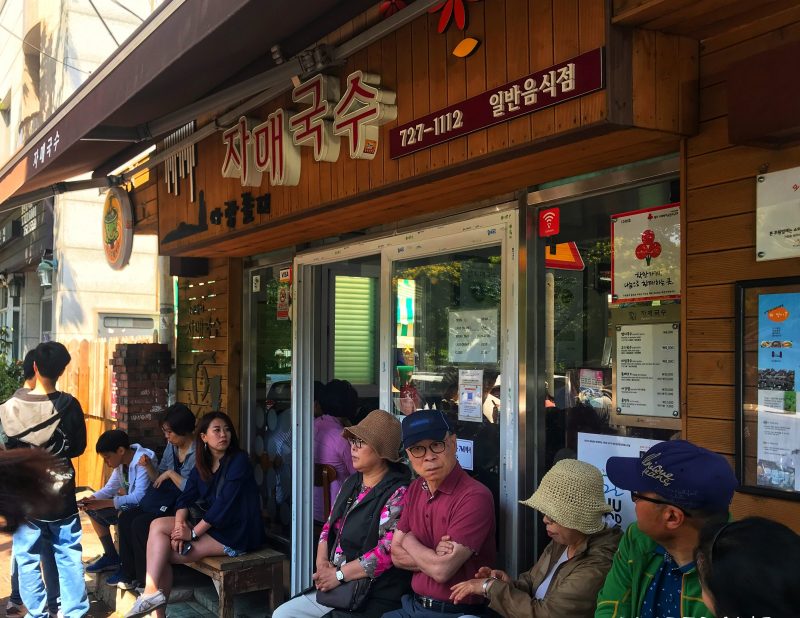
[(146, 604), (119, 579), (103, 563), (13, 609)]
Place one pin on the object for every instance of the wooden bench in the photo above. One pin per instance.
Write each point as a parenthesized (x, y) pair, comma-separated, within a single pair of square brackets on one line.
[(254, 571)]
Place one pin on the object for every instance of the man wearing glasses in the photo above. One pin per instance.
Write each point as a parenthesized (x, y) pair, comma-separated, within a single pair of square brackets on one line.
[(443, 506), (677, 488)]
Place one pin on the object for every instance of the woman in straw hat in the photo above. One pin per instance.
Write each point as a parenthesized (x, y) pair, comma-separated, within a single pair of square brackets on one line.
[(566, 579), (355, 543)]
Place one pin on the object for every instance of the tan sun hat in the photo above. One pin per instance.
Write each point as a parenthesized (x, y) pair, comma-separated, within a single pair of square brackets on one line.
[(571, 494), (381, 431)]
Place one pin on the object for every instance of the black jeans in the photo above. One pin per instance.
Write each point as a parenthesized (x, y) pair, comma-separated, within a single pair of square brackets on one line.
[(134, 527)]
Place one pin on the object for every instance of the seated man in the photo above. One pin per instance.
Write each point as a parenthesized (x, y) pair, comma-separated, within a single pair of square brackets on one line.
[(678, 488), (443, 502), (125, 488)]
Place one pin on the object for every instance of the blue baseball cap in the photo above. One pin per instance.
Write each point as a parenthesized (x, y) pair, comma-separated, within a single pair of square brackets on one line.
[(682, 473), (424, 425)]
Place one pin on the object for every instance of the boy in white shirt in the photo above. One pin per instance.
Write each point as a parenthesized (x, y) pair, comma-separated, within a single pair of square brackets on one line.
[(124, 490)]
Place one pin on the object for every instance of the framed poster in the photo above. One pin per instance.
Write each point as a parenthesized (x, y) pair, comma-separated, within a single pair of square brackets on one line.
[(646, 254), (777, 215), (767, 385)]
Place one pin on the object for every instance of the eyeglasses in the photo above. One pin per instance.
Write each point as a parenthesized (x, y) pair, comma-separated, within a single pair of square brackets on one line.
[(636, 496), (419, 451), (356, 442)]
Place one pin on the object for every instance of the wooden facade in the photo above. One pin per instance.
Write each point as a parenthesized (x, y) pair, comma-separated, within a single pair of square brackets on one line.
[(209, 351), (666, 92), (719, 242), (647, 104)]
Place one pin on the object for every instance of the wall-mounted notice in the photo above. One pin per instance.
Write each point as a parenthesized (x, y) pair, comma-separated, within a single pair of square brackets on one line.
[(465, 453), (648, 369), (778, 215), (470, 395), (646, 254), (596, 449), (473, 336)]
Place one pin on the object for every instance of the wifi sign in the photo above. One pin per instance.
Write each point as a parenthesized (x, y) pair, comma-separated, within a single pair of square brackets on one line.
[(549, 222)]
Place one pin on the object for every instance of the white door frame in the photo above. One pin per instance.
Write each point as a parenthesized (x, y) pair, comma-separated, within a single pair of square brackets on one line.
[(493, 229)]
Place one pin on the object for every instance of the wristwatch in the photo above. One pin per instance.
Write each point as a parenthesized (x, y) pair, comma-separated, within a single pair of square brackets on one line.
[(194, 535), (340, 576)]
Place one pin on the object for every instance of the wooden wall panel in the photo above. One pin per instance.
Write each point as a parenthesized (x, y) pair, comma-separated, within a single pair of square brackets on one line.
[(719, 241), (516, 37), (209, 339)]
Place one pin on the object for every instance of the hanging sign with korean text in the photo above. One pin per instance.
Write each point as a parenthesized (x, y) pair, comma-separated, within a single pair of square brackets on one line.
[(646, 254), (561, 82), (117, 226)]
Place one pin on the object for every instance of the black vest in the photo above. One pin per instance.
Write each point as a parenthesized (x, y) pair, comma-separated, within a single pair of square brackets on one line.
[(361, 529)]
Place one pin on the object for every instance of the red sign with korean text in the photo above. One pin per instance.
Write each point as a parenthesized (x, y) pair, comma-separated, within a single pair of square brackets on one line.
[(561, 82), (549, 222)]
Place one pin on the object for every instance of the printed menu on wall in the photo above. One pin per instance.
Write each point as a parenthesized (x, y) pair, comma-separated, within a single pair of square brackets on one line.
[(778, 366), (648, 370)]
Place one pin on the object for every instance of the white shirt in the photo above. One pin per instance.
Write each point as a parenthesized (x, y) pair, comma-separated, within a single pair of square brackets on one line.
[(542, 589)]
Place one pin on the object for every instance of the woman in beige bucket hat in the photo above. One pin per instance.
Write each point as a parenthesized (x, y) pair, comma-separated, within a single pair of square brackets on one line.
[(356, 540), (567, 577)]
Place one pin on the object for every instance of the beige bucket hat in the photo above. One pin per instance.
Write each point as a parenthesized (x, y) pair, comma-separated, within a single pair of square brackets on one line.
[(382, 431), (571, 494)]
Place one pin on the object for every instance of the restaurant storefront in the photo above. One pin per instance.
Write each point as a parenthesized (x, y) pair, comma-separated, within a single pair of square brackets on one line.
[(407, 256), (539, 235)]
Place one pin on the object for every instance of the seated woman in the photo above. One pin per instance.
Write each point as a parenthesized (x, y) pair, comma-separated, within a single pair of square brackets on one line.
[(337, 403), (167, 482), (356, 540), (749, 568), (222, 484), (566, 579)]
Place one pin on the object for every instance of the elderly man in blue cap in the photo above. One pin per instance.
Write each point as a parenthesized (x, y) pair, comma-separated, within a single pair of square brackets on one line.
[(677, 488), (444, 503)]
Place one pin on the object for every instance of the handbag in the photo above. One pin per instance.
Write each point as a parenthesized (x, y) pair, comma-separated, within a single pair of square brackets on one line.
[(162, 499), (350, 596)]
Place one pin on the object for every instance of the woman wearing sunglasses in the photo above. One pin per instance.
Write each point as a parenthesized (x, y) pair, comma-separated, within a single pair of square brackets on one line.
[(749, 568), (354, 550), (566, 579)]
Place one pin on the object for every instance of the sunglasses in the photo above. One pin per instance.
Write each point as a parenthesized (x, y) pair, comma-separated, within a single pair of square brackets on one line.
[(636, 496)]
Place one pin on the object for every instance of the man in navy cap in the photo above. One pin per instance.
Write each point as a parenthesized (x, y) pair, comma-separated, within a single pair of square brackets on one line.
[(443, 503), (677, 488)]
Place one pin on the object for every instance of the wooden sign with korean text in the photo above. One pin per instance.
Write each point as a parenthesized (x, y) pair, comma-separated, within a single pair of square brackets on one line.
[(556, 84)]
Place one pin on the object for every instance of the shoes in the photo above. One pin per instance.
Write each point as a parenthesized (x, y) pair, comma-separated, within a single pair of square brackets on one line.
[(12, 609), (103, 563), (120, 580), (147, 603)]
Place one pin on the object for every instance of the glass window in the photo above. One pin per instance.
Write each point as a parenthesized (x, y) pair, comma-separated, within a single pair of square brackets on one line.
[(447, 349), (581, 365), (271, 421)]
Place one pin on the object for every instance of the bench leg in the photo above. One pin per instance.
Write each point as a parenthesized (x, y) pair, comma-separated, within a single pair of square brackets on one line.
[(276, 592), (225, 600)]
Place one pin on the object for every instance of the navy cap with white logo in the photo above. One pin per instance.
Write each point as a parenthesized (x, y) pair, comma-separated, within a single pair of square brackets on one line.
[(682, 473), (424, 425)]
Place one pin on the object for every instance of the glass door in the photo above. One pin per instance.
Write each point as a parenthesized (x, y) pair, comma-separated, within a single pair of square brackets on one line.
[(422, 319)]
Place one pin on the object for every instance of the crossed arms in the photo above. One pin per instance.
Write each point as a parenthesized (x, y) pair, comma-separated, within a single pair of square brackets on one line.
[(440, 564)]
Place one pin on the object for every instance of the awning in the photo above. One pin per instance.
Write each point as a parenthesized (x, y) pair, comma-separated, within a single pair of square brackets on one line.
[(182, 52)]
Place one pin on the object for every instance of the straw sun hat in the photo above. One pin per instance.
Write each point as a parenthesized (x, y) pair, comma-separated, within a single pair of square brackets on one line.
[(571, 494), (381, 431)]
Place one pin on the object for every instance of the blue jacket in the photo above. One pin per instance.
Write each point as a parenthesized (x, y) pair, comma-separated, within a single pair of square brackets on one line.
[(234, 516)]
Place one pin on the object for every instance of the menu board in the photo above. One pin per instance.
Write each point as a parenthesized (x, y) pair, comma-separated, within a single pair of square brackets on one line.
[(648, 369)]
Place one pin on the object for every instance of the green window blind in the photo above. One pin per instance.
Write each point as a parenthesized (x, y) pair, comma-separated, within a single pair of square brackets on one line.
[(355, 329)]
